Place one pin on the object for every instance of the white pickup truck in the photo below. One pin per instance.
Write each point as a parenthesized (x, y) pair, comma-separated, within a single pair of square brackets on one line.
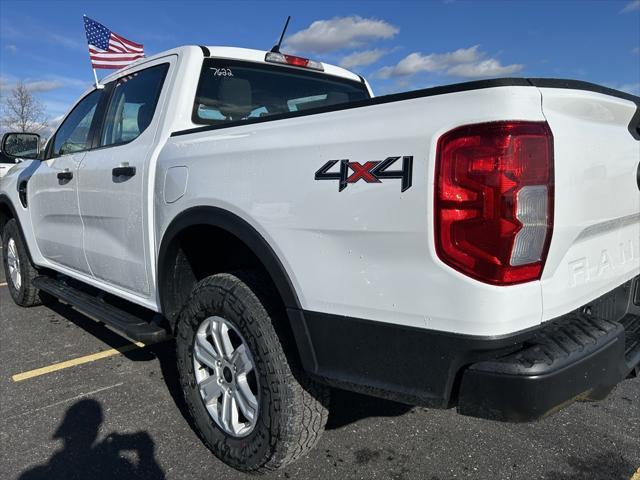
[(473, 246)]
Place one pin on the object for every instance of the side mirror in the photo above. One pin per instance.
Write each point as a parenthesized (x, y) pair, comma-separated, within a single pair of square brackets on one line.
[(21, 145)]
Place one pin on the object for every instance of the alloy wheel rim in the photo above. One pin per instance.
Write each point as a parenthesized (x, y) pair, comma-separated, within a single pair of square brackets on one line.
[(226, 377), (13, 261)]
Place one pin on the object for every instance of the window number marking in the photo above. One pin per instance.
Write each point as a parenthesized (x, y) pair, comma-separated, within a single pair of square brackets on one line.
[(222, 72)]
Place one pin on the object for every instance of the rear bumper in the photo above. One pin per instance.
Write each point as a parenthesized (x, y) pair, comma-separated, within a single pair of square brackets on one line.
[(575, 357), (517, 378), (582, 355)]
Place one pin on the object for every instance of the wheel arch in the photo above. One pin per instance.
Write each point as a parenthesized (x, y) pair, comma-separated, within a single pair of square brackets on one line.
[(7, 212), (227, 224)]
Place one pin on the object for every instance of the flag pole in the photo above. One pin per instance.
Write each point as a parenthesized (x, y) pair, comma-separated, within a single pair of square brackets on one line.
[(98, 84)]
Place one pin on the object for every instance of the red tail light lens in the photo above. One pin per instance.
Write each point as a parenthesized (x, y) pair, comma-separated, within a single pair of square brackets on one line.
[(297, 61), (494, 200)]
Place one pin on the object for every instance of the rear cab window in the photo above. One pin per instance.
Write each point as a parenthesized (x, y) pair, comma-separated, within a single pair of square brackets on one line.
[(232, 91)]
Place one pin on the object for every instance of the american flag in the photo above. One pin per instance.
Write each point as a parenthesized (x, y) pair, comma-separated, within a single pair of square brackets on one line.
[(108, 49)]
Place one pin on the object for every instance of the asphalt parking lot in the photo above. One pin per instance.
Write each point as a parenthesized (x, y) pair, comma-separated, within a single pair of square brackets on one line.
[(120, 415)]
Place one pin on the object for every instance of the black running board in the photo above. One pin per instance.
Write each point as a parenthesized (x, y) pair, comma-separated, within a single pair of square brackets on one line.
[(96, 308)]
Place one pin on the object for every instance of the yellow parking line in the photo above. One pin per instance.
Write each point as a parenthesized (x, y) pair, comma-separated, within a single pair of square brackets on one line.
[(75, 361), (636, 476)]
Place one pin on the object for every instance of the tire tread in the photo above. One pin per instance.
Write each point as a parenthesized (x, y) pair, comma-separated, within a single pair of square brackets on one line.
[(28, 295), (300, 406)]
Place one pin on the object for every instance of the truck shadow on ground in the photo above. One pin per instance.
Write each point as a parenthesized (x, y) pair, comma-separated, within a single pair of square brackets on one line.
[(604, 466), (347, 408), (128, 455)]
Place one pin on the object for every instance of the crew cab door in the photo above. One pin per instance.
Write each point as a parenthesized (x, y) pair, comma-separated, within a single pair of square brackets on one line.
[(52, 189), (112, 186)]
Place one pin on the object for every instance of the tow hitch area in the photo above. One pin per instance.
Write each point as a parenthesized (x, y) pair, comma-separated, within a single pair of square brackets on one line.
[(580, 356)]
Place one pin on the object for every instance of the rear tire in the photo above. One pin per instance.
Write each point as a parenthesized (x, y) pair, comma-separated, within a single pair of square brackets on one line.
[(18, 269), (291, 409)]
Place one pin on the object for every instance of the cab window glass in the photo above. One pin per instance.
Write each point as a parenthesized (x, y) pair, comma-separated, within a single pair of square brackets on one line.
[(73, 134), (231, 91), (132, 105)]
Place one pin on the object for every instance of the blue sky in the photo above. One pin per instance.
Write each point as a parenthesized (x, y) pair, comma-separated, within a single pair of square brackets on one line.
[(397, 45)]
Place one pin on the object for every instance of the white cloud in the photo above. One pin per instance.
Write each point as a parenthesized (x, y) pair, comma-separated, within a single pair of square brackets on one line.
[(434, 62), (7, 84), (71, 82), (636, 50), (464, 62), (338, 33), (631, 6), (363, 58), (11, 48), (485, 68), (632, 88), (44, 85)]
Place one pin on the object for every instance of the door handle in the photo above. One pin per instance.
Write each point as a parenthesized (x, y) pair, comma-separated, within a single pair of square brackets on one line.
[(66, 175), (123, 171)]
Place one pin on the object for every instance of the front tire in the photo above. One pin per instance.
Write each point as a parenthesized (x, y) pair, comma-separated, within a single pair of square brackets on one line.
[(18, 269), (251, 403)]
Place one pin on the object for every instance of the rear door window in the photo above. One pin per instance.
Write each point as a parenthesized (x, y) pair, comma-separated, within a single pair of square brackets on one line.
[(132, 105), (231, 91)]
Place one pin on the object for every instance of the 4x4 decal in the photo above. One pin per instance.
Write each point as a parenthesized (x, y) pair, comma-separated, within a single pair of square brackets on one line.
[(370, 172)]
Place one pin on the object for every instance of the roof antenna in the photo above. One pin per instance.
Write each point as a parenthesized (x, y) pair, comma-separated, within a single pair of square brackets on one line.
[(276, 47)]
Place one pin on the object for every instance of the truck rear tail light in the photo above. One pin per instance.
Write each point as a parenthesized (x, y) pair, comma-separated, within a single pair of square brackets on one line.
[(276, 57), (494, 200)]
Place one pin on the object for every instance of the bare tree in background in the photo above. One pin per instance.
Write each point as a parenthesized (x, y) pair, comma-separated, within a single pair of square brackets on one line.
[(21, 111)]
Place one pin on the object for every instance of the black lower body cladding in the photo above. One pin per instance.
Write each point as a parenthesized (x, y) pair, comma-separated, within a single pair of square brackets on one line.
[(520, 377)]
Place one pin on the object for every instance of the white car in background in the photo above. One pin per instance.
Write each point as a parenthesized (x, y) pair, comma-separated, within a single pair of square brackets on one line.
[(6, 163)]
